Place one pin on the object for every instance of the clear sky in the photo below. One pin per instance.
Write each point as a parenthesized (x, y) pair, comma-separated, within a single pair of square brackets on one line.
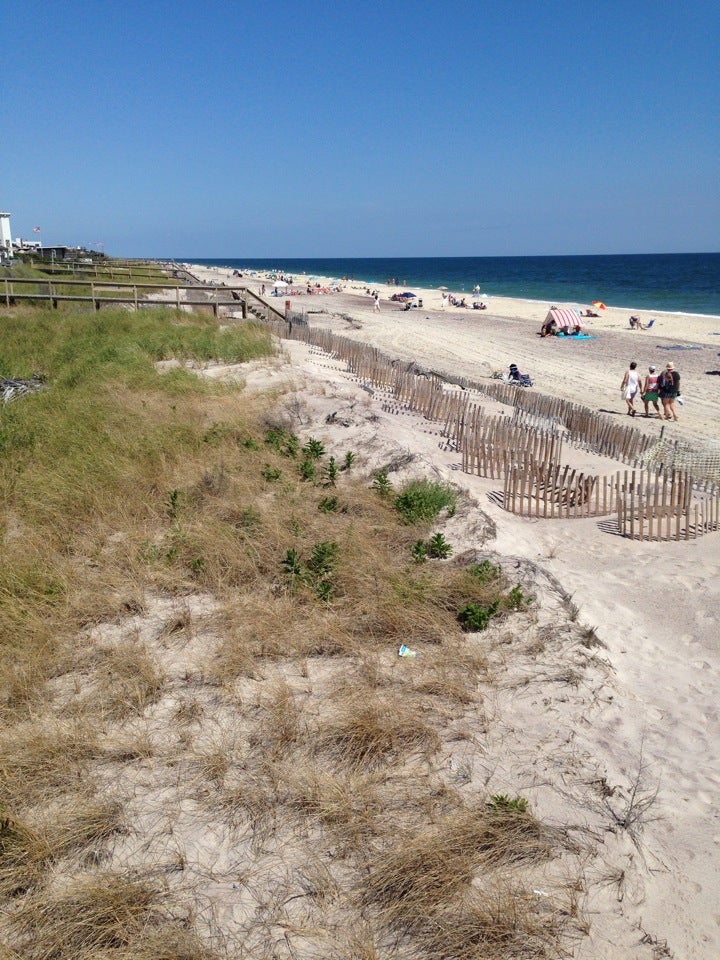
[(392, 128)]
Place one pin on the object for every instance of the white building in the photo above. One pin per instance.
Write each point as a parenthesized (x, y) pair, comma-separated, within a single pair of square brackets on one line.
[(5, 235)]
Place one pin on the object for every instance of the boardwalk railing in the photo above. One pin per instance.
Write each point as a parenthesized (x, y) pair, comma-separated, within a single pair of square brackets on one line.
[(55, 291)]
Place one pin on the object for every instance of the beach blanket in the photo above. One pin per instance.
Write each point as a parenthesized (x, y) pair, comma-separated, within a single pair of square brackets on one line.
[(576, 336), (677, 346)]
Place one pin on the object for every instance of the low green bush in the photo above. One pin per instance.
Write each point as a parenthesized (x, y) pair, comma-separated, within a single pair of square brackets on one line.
[(474, 616), (421, 501)]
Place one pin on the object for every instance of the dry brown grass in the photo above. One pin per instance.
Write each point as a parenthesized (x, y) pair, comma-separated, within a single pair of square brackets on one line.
[(348, 803), (279, 723), (369, 730), (501, 922), (127, 680), (425, 885), (104, 915), (282, 714), (27, 853), (43, 758)]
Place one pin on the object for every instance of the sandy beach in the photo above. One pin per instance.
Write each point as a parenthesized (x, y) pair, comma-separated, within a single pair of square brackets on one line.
[(474, 343), (649, 725)]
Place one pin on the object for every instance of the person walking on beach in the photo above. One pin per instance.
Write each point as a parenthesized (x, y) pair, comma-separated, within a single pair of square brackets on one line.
[(629, 387), (650, 392), (376, 303), (669, 390)]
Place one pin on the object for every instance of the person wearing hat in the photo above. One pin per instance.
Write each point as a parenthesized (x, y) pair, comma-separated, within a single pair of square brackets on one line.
[(669, 389), (650, 392)]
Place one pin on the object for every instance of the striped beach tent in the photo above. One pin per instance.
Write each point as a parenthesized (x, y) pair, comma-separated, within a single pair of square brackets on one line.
[(564, 318)]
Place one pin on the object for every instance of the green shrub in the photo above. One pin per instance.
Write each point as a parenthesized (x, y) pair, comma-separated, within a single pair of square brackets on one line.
[(285, 443), (173, 504), (323, 558), (516, 599), (485, 571), (271, 474), (306, 469), (331, 473), (313, 449), (419, 551), (475, 617), (502, 803), (422, 500), (315, 572), (381, 484), (438, 548)]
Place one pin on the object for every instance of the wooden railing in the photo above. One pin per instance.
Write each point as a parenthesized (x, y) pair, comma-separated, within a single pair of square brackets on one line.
[(55, 291)]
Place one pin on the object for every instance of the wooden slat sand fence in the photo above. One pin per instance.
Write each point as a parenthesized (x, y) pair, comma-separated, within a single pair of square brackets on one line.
[(550, 490), (668, 506), (491, 444), (649, 506), (586, 429)]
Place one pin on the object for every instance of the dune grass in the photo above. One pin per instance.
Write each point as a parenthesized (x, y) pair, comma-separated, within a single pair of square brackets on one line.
[(267, 698)]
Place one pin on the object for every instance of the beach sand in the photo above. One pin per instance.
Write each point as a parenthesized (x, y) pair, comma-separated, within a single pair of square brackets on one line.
[(644, 729)]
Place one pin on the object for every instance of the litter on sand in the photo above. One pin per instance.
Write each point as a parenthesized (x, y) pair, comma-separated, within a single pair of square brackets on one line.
[(406, 652)]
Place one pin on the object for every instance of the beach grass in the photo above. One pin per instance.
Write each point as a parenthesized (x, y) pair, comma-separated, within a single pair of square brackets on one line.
[(199, 668)]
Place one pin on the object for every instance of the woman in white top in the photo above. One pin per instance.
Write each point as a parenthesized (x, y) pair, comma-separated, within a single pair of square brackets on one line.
[(630, 387)]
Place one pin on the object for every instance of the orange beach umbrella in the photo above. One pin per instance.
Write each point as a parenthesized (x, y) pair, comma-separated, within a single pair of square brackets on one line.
[(599, 304)]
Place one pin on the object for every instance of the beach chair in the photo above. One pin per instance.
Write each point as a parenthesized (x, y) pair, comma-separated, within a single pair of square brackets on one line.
[(650, 324)]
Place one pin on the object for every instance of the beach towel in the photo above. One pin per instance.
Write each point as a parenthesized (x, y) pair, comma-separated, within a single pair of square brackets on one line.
[(576, 336)]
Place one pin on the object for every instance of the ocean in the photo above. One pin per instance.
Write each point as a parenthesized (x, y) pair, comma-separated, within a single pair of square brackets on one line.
[(671, 282)]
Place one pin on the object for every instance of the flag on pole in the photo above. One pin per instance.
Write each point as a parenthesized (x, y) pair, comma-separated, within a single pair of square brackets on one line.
[(36, 229)]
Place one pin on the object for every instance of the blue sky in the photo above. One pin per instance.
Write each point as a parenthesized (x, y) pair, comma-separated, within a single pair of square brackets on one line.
[(394, 128)]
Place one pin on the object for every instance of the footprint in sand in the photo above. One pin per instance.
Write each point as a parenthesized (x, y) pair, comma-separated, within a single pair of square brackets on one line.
[(700, 665)]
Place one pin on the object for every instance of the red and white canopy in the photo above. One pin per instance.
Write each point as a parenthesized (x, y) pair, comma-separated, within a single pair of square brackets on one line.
[(564, 318)]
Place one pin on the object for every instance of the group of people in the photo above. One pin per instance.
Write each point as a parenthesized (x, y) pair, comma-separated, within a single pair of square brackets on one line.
[(452, 300), (663, 387), (550, 329)]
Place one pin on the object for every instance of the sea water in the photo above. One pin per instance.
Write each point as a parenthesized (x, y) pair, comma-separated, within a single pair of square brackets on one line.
[(672, 282)]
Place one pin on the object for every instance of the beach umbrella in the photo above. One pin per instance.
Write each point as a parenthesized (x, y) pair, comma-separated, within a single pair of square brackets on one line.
[(442, 288), (599, 304), (279, 283)]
